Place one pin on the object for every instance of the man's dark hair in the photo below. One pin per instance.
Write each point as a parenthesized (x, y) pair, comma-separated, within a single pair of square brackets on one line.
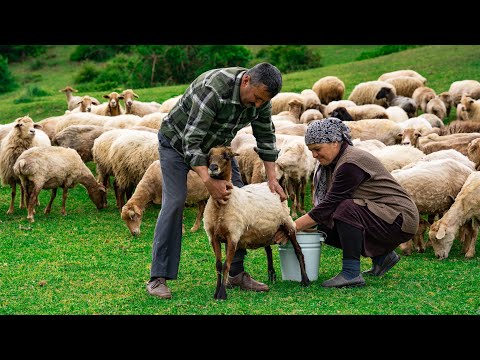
[(268, 75)]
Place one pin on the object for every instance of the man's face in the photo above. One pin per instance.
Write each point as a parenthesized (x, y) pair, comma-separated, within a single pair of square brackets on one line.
[(253, 95)]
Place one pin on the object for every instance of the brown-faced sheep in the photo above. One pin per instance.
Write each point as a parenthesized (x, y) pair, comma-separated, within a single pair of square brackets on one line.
[(328, 89), (471, 108), (85, 104), (149, 190), (138, 108), (110, 108), (434, 142), (53, 167), (248, 219), (463, 211)]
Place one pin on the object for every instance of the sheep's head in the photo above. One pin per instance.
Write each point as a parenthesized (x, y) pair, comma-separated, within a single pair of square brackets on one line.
[(25, 127), (341, 113), (219, 165), (98, 195), (132, 215), (441, 239), (128, 96)]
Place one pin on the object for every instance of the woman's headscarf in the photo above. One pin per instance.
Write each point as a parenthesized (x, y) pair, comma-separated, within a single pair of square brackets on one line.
[(326, 131)]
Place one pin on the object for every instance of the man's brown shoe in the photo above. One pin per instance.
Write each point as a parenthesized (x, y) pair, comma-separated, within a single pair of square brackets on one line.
[(159, 288), (245, 281)]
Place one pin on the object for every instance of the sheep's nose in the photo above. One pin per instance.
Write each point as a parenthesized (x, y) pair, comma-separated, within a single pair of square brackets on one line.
[(213, 167), (88, 110), (136, 232), (129, 103), (406, 143)]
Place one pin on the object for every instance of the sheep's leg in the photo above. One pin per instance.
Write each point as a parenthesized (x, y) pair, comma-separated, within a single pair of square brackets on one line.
[(31, 203), (419, 236), (220, 291), (290, 231), (303, 186), (22, 198), (14, 192), (64, 200), (470, 238), (198, 220), (230, 252), (49, 206), (272, 277), (406, 247), (118, 194)]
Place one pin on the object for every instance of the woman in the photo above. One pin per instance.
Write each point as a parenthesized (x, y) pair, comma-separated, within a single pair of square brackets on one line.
[(357, 203)]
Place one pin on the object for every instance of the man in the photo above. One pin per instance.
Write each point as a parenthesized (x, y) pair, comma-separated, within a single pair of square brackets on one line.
[(214, 107)]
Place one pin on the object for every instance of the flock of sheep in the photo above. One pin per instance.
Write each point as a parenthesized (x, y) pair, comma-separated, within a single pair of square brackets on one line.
[(397, 117)]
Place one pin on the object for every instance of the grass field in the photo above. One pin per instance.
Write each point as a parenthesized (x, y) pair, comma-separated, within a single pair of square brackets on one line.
[(88, 263)]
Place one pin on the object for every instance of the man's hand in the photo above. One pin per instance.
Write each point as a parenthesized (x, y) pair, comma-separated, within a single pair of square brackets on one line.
[(219, 190), (275, 187)]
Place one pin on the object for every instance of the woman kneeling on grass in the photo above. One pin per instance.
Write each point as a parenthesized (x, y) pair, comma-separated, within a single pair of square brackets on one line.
[(358, 204)]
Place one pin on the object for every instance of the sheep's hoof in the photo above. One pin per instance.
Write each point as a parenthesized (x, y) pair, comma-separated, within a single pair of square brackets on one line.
[(221, 294), (272, 276), (305, 281)]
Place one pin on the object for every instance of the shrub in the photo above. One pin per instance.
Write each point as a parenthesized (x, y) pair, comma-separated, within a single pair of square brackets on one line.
[(30, 93), (97, 52), (289, 58), (88, 72), (16, 53), (7, 81)]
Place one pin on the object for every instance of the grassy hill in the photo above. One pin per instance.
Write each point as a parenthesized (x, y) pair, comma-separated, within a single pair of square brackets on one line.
[(88, 263)]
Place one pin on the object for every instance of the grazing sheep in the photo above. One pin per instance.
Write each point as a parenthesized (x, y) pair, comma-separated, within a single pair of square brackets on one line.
[(311, 99), (464, 87), (471, 108), (368, 145), (168, 104), (368, 93), (437, 107), (138, 108), (85, 104), (410, 73), (80, 138), (405, 85), (422, 95), (309, 115), (434, 142), (459, 126), (280, 102), (327, 110), (153, 120), (391, 99), (149, 190), (49, 124), (360, 112), (249, 219), (473, 152), (396, 113), (397, 156), (433, 186), (295, 109), (434, 120), (463, 211), (447, 100), (412, 129), (328, 89), (19, 139), (445, 154), (112, 107), (53, 167)]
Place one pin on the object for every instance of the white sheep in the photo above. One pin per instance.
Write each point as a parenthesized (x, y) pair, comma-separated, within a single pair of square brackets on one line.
[(19, 139), (405, 85), (437, 107), (471, 108), (397, 156), (149, 190), (280, 102), (309, 115), (445, 154), (462, 212), (153, 120), (396, 113), (397, 73), (327, 110), (422, 95), (368, 145), (311, 99), (328, 89), (367, 93), (434, 120), (413, 128), (388, 132), (248, 219), (138, 108), (464, 87), (53, 167), (434, 142), (110, 108), (168, 104), (84, 105)]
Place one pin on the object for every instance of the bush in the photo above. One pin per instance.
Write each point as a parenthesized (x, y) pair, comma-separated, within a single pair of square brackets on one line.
[(7, 81), (97, 52), (30, 94), (88, 72), (384, 50), (289, 58), (16, 53)]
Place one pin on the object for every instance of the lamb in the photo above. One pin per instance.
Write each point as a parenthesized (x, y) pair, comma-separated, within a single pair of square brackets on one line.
[(112, 107), (464, 210), (422, 95), (149, 190), (397, 156), (368, 93), (414, 128), (311, 99), (328, 89), (405, 85), (168, 104), (280, 102), (360, 112), (85, 104), (394, 74), (471, 108), (248, 219), (309, 115), (464, 87), (386, 131), (80, 138), (391, 99), (437, 107), (138, 108), (433, 186), (74, 101), (19, 139), (53, 167)]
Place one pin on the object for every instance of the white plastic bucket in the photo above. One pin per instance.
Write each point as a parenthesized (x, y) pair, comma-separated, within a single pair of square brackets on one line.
[(311, 244)]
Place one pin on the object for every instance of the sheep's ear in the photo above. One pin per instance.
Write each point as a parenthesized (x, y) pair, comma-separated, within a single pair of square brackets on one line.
[(101, 187), (441, 232), (120, 97), (78, 103), (137, 210), (135, 95), (38, 126), (131, 214), (106, 96), (95, 102)]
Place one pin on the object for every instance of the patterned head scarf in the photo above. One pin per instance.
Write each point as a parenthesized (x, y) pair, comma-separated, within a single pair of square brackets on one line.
[(327, 131)]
